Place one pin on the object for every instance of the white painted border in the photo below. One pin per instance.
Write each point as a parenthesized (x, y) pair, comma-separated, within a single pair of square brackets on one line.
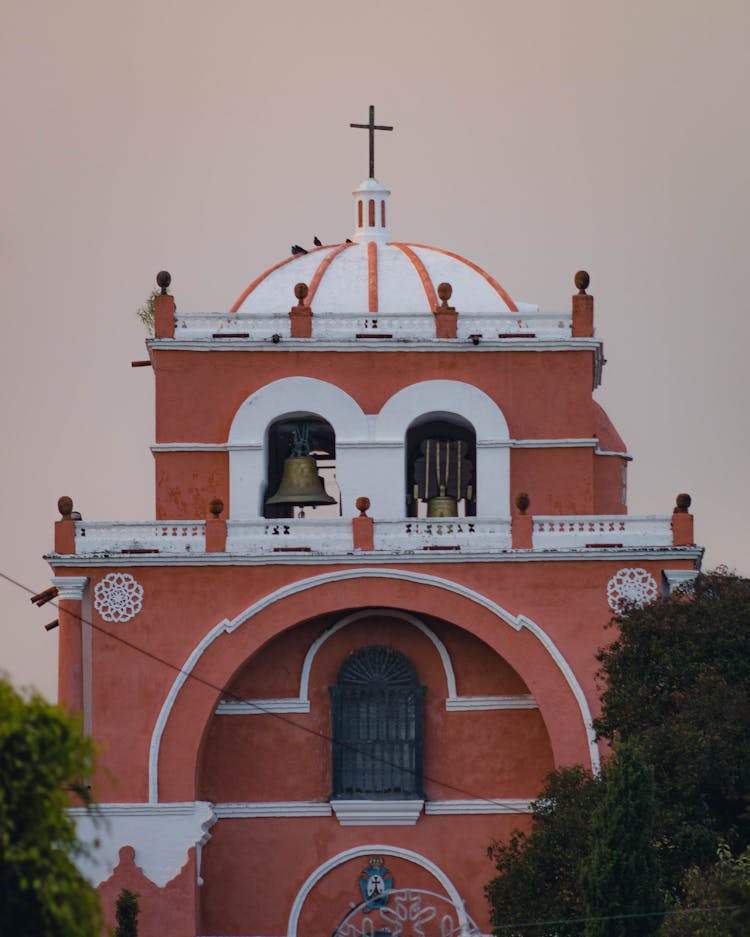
[(547, 555), (515, 622), (453, 702), (476, 806), (70, 588), (279, 808), (377, 812), (373, 849)]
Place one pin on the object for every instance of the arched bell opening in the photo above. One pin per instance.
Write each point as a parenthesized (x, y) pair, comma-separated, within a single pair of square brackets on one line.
[(441, 460), (301, 468)]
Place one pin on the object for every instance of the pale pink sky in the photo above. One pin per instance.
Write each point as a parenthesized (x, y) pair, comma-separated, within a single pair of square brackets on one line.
[(535, 138)]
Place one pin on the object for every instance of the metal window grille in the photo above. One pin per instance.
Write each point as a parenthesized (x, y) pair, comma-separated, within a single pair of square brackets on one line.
[(378, 726)]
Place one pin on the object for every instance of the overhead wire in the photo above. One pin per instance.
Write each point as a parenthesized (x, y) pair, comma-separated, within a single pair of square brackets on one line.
[(497, 928), (226, 693)]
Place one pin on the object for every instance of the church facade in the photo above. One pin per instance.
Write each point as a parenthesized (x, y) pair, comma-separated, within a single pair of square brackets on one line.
[(391, 527)]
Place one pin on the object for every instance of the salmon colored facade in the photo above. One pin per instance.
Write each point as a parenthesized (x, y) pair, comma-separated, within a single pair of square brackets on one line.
[(225, 654)]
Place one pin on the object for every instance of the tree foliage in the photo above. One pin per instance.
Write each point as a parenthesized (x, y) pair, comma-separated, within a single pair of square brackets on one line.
[(126, 914), (43, 756), (677, 683), (539, 873), (620, 875), (676, 708), (715, 901)]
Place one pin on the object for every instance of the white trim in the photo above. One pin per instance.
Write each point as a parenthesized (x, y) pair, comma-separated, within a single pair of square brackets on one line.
[(70, 588), (260, 707), (536, 555), (621, 455), (160, 834), (397, 852), (450, 677), (377, 812), (674, 578), (515, 622), (455, 346), (476, 806), (476, 703), (281, 808), (566, 443)]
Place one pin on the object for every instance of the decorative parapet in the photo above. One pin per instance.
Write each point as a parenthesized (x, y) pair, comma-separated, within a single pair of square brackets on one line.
[(290, 536), (341, 326), (460, 533), (145, 537), (555, 532)]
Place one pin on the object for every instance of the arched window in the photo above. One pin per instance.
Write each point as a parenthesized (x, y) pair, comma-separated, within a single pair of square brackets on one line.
[(377, 726), (319, 440), (441, 456)]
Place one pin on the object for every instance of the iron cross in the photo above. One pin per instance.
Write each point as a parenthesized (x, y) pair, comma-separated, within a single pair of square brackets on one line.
[(372, 127)]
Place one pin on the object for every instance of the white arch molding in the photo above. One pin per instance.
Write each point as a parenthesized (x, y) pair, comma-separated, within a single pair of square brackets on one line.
[(374, 849), (369, 448), (247, 458), (474, 406), (517, 622), (453, 702)]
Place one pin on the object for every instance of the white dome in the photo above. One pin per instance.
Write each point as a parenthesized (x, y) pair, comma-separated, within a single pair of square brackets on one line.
[(375, 277)]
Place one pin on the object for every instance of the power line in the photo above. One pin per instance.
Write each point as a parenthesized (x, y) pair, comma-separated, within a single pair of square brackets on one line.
[(508, 808), (614, 917)]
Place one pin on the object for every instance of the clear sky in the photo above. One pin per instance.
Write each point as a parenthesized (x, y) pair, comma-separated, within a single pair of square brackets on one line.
[(536, 138)]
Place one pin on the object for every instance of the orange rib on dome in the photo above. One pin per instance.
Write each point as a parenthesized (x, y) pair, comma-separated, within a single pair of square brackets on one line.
[(372, 276), (483, 273), (266, 273), (321, 269), (422, 271)]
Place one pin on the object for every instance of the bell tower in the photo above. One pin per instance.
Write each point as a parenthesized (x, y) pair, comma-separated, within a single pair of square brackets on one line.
[(391, 529)]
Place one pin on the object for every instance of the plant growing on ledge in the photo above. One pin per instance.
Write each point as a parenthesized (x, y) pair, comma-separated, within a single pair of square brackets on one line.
[(146, 312)]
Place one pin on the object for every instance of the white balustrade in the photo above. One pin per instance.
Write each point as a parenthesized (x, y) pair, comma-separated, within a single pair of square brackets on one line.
[(410, 535), (144, 537), (303, 535), (447, 533), (346, 326), (555, 532)]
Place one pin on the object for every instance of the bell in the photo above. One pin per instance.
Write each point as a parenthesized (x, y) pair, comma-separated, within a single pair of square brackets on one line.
[(442, 506), (300, 483)]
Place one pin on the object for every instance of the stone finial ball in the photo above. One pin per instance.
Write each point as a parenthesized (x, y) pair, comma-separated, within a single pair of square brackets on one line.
[(301, 290), (582, 280), (362, 505), (65, 506), (683, 502), (163, 279), (216, 506), (523, 501), (445, 291)]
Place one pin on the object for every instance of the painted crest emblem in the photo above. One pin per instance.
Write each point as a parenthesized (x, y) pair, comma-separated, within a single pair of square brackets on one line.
[(375, 882)]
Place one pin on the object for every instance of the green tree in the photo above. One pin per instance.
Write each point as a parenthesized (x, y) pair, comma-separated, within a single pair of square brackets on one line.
[(126, 914), (716, 900), (43, 757), (539, 872), (677, 683), (620, 876)]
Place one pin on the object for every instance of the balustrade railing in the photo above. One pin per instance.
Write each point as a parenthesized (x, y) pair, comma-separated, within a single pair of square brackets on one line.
[(303, 535), (339, 326), (410, 535), (145, 537), (555, 532), (446, 533)]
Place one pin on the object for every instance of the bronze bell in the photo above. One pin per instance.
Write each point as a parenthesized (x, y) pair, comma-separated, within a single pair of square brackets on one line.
[(300, 483), (442, 505)]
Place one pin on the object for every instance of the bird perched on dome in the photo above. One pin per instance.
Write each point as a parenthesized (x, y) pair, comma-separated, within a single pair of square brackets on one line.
[(296, 249), (317, 242)]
